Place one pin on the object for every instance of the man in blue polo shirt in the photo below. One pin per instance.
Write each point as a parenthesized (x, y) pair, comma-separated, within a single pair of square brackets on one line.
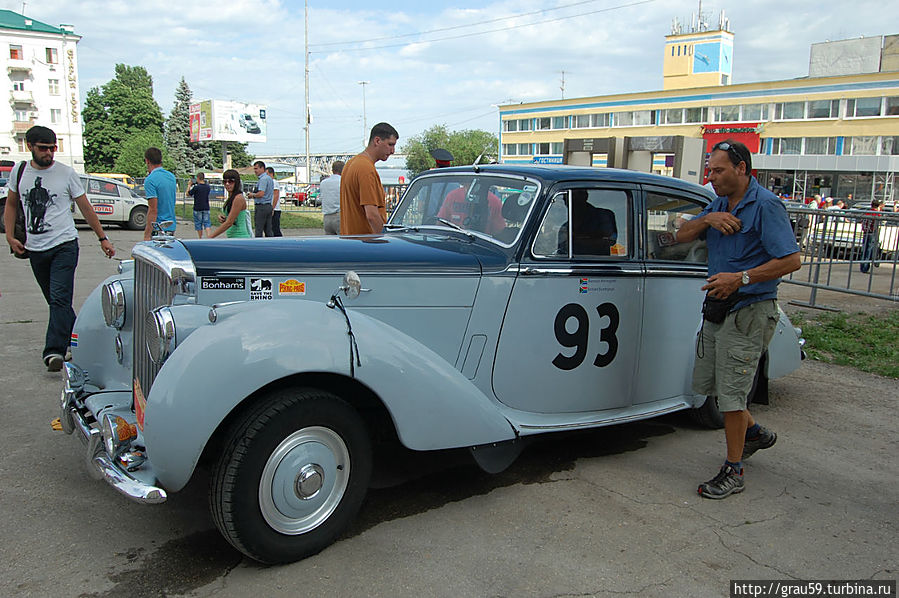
[(751, 246), (160, 187), (262, 198)]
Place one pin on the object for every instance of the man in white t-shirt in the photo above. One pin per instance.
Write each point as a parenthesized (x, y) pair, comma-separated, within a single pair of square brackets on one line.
[(276, 204), (46, 191), (329, 192)]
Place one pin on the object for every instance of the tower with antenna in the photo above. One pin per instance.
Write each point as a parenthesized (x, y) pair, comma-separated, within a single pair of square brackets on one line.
[(698, 54)]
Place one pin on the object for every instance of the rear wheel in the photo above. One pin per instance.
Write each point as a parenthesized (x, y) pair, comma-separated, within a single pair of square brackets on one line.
[(138, 218), (293, 474)]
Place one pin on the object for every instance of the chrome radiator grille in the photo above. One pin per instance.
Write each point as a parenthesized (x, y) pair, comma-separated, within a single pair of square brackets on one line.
[(152, 288)]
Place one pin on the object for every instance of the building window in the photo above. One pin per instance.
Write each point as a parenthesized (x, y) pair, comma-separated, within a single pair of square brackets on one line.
[(863, 107), (789, 111), (509, 126), (637, 118), (755, 112), (15, 53), (542, 149), (524, 149), (23, 147), (543, 124), (18, 86), (889, 146), (21, 116), (821, 146), (55, 115), (510, 149), (824, 108), (556, 147), (54, 86), (59, 147), (673, 116), (600, 120), (52, 56), (786, 145), (725, 79), (581, 121), (892, 106), (725, 114), (524, 124), (864, 146), (695, 115), (560, 122)]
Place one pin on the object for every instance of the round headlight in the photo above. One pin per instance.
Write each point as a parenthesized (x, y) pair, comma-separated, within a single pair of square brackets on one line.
[(160, 334), (114, 304)]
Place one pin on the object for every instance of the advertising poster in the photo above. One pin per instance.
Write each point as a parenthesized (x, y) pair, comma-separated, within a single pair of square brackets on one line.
[(238, 121), (201, 121)]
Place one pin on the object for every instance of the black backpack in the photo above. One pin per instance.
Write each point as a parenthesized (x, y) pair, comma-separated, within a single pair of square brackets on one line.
[(19, 232)]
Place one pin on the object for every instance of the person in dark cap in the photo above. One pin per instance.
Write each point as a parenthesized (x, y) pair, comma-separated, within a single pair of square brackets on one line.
[(442, 157), (46, 189)]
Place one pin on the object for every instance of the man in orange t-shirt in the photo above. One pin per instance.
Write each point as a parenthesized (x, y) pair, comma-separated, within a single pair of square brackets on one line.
[(362, 207)]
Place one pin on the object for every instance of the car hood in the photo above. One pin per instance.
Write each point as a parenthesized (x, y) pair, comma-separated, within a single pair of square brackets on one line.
[(395, 252)]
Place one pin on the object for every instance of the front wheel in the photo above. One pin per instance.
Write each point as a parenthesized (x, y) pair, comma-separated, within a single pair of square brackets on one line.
[(292, 476)]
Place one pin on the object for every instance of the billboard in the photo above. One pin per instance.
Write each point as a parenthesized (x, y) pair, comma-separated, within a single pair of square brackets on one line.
[(225, 120)]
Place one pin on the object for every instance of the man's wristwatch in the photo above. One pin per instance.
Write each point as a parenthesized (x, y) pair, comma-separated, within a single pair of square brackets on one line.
[(104, 238), (745, 277)]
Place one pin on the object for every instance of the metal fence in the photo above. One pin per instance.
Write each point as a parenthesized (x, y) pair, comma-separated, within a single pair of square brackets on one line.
[(848, 251)]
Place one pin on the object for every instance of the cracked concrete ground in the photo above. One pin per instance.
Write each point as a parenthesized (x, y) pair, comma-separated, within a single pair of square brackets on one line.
[(609, 512)]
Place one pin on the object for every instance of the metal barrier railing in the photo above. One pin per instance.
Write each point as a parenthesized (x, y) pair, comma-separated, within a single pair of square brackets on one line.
[(847, 251)]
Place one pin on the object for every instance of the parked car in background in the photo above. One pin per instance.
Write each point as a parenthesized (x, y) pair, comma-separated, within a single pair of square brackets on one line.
[(122, 178), (500, 304), (216, 192), (114, 202)]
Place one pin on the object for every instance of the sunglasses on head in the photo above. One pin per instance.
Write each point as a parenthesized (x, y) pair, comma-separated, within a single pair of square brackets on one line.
[(725, 146)]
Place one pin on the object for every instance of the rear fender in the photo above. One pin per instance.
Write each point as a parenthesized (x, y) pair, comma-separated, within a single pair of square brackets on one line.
[(253, 345)]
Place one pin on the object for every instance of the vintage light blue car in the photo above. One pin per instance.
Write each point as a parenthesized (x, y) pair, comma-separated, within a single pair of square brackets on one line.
[(501, 303)]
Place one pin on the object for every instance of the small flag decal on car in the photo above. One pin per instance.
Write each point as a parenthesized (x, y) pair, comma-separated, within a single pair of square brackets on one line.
[(584, 282), (74, 341)]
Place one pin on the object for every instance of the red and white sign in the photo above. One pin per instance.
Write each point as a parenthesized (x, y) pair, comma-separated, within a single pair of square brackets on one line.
[(104, 209)]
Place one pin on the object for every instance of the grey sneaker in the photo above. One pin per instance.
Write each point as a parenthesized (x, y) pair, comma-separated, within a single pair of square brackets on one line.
[(53, 361), (765, 439), (728, 481)]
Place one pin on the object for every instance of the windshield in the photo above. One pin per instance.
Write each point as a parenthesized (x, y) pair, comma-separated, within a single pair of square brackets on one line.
[(493, 206)]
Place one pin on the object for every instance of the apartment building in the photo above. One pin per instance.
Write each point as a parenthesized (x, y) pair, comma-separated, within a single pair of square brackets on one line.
[(40, 80)]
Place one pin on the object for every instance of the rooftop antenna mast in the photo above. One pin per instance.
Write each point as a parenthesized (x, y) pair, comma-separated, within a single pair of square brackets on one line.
[(562, 85)]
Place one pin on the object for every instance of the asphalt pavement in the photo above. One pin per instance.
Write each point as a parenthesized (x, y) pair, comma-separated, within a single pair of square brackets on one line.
[(607, 512)]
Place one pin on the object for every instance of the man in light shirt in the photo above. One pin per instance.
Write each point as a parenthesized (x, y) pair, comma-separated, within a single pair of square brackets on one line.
[(330, 195)]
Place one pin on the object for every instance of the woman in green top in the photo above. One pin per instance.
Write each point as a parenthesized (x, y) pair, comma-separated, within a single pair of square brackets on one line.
[(237, 222)]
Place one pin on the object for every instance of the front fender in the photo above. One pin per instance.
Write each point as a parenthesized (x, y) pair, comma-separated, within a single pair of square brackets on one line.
[(94, 343), (253, 344)]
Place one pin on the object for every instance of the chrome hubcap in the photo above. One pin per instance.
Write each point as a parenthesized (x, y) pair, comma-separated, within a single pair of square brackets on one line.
[(304, 480)]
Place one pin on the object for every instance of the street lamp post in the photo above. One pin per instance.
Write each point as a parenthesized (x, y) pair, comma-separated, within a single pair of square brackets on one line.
[(364, 121)]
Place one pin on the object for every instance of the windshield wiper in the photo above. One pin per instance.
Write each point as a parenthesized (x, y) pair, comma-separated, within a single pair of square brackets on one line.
[(392, 226), (455, 226)]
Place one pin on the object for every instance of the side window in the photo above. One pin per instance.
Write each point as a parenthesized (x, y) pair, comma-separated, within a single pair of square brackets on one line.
[(124, 191), (585, 224), (664, 215)]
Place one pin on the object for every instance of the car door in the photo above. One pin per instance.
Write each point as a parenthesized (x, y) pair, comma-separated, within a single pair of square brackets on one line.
[(103, 195), (571, 333), (675, 274)]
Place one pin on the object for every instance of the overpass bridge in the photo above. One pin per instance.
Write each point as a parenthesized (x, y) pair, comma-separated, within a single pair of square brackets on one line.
[(321, 163)]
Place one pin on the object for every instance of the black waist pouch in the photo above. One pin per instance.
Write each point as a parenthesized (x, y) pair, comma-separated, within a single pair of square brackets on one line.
[(714, 310)]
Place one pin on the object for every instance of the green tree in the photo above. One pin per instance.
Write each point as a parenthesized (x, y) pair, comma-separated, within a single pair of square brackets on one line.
[(187, 157), (239, 156), (131, 157), (466, 146), (114, 112)]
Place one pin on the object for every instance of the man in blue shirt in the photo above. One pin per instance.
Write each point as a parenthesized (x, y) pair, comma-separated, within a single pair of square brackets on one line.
[(751, 246), (262, 198), (160, 187)]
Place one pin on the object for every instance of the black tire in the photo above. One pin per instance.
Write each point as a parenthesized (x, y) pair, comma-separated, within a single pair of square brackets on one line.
[(710, 416), (137, 220), (256, 492)]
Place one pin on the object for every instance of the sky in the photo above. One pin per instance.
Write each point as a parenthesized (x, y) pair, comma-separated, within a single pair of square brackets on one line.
[(427, 63)]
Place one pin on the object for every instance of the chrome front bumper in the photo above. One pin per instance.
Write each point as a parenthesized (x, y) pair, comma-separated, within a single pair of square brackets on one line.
[(75, 417)]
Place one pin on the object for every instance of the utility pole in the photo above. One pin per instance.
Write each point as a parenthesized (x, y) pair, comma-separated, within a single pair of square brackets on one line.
[(308, 116), (364, 120), (562, 86)]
